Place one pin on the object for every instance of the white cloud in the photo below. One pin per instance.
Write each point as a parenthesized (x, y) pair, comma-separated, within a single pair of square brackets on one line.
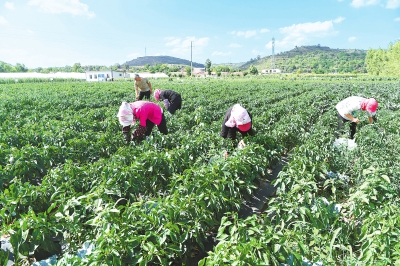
[(3, 21), (133, 56), (172, 41), (308, 28), (221, 53), (74, 7), (15, 32), (338, 20), (201, 42), (249, 33), (29, 32), (183, 46), (234, 45), (13, 53), (256, 52), (360, 3), (246, 34), (9, 5), (393, 4), (397, 19), (352, 39), (299, 34)]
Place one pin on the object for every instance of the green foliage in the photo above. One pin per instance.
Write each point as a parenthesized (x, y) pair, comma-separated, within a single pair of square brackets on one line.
[(253, 70), (222, 68), (66, 173), (77, 68), (314, 59), (188, 71), (4, 67), (4, 257), (208, 66), (384, 62)]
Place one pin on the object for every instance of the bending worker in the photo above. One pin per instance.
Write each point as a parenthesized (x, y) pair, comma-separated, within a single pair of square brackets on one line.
[(172, 100), (237, 119), (148, 114), (347, 108)]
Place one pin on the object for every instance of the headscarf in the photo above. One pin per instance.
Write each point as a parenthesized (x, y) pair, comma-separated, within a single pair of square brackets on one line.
[(157, 94), (125, 115), (239, 118), (370, 105)]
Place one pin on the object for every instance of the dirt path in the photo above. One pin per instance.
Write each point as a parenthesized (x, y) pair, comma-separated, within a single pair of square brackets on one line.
[(258, 200), (256, 205)]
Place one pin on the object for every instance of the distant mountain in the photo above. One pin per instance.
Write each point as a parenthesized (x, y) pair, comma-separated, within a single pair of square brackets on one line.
[(314, 58), (154, 60)]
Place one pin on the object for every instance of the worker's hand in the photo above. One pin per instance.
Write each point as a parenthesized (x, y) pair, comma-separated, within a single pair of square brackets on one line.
[(225, 154), (355, 120), (166, 104), (242, 144), (371, 119)]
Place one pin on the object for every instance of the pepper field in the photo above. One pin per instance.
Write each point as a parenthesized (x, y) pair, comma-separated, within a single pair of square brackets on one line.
[(67, 177)]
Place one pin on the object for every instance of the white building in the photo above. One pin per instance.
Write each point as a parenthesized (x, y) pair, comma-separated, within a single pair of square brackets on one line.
[(271, 71), (103, 75)]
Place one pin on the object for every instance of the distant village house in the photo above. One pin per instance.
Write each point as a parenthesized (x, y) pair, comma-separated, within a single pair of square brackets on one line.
[(103, 75), (271, 71)]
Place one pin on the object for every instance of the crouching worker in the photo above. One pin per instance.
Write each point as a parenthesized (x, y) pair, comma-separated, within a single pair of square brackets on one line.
[(347, 108), (237, 119), (148, 114), (172, 100)]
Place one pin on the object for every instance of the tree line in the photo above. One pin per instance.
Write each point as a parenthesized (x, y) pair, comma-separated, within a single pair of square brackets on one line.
[(384, 62), (7, 68), (375, 61)]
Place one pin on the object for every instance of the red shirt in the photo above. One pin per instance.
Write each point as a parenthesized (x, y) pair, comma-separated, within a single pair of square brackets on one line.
[(144, 110)]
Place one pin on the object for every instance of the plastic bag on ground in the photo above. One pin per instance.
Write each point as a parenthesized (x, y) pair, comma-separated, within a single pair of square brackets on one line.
[(350, 144)]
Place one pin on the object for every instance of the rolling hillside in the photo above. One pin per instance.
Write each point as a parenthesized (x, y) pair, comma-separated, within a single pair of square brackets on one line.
[(316, 58), (154, 60)]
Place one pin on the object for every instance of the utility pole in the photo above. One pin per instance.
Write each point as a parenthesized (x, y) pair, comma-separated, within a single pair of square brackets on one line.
[(273, 54), (191, 63)]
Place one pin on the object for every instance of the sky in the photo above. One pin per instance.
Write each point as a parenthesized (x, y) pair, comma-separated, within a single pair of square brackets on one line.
[(58, 33)]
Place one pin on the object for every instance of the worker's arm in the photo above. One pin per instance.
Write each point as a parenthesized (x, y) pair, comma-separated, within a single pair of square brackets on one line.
[(126, 132), (139, 132), (151, 89), (136, 91), (352, 118)]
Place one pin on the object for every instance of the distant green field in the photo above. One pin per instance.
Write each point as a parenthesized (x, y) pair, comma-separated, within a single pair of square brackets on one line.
[(66, 174)]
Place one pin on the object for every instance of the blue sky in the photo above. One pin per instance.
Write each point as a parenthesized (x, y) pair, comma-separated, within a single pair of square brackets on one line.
[(45, 33)]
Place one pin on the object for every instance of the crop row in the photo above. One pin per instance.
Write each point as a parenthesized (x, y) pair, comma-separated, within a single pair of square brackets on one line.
[(67, 174), (333, 205)]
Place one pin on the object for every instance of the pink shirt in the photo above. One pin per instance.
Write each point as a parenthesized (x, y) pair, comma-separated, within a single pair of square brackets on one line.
[(144, 110)]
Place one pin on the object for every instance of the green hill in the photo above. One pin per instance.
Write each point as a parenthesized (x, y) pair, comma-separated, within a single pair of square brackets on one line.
[(314, 59), (159, 60)]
